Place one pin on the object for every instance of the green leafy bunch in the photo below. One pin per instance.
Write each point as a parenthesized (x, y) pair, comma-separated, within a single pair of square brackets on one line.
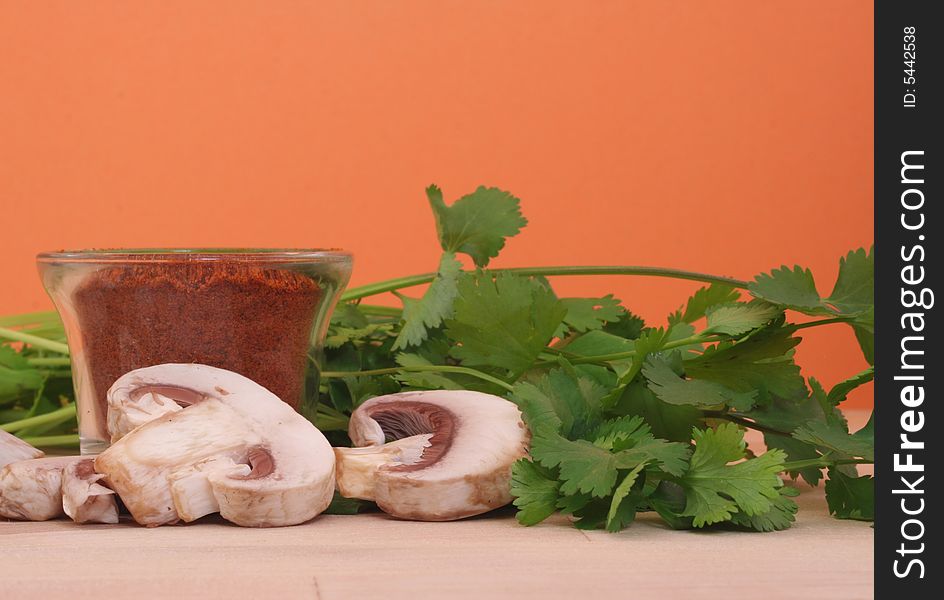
[(625, 417)]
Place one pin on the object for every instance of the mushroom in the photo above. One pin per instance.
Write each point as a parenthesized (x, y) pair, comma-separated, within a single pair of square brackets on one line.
[(13, 449), (236, 449), (132, 403), (84, 499), (31, 490), (448, 454)]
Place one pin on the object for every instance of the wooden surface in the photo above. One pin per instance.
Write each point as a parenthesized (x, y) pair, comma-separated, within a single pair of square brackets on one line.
[(373, 556)]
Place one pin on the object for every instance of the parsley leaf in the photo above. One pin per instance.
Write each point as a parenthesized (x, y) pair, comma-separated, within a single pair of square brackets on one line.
[(715, 490), (476, 224), (502, 320)]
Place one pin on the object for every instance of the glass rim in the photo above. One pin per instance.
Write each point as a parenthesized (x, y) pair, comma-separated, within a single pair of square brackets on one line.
[(189, 255)]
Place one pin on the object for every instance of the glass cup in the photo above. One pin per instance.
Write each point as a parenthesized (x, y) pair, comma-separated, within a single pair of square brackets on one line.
[(262, 313)]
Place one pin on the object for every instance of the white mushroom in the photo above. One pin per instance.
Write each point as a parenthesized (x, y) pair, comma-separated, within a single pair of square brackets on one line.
[(13, 449), (84, 499), (31, 490), (133, 402), (237, 449), (448, 453)]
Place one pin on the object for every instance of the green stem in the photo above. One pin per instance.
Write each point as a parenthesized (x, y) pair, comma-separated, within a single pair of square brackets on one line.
[(49, 362), (380, 311), (390, 285), (746, 423), (798, 326), (822, 461), (35, 341), (695, 339), (56, 416), (53, 440), (421, 369)]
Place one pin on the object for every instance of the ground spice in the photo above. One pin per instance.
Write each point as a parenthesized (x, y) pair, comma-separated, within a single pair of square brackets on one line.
[(253, 320)]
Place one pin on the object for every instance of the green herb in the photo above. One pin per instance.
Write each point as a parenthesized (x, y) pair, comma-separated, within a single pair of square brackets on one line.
[(625, 417)]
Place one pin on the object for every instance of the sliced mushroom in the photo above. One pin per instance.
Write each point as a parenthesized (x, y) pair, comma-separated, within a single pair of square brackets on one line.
[(13, 449), (84, 499), (31, 490), (132, 402), (236, 449), (448, 454)]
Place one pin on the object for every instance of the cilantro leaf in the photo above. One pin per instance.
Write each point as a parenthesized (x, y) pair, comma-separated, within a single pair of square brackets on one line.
[(715, 490), (634, 444), (835, 437), (739, 318), (672, 389), (476, 224), (598, 343), (584, 467), (796, 450), (854, 292), (629, 326), (347, 506), (864, 329), (839, 391), (420, 379), (585, 314), (502, 321), (623, 505), (791, 288), (559, 403), (668, 421), (436, 304), (762, 362), (535, 490), (703, 299), (781, 515), (592, 468), (850, 497)]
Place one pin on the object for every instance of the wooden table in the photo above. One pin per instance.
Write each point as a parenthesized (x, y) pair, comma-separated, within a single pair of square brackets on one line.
[(373, 556)]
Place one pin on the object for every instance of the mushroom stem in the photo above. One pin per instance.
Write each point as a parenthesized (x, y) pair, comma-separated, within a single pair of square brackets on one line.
[(357, 467), (84, 499)]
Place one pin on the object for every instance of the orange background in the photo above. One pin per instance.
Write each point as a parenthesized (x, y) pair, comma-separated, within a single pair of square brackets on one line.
[(727, 137)]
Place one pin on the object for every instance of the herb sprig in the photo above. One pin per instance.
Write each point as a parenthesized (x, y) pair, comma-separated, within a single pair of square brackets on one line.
[(624, 417)]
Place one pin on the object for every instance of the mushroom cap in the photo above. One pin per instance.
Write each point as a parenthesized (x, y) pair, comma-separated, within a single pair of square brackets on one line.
[(31, 490), (84, 499), (13, 449), (448, 454), (236, 449)]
